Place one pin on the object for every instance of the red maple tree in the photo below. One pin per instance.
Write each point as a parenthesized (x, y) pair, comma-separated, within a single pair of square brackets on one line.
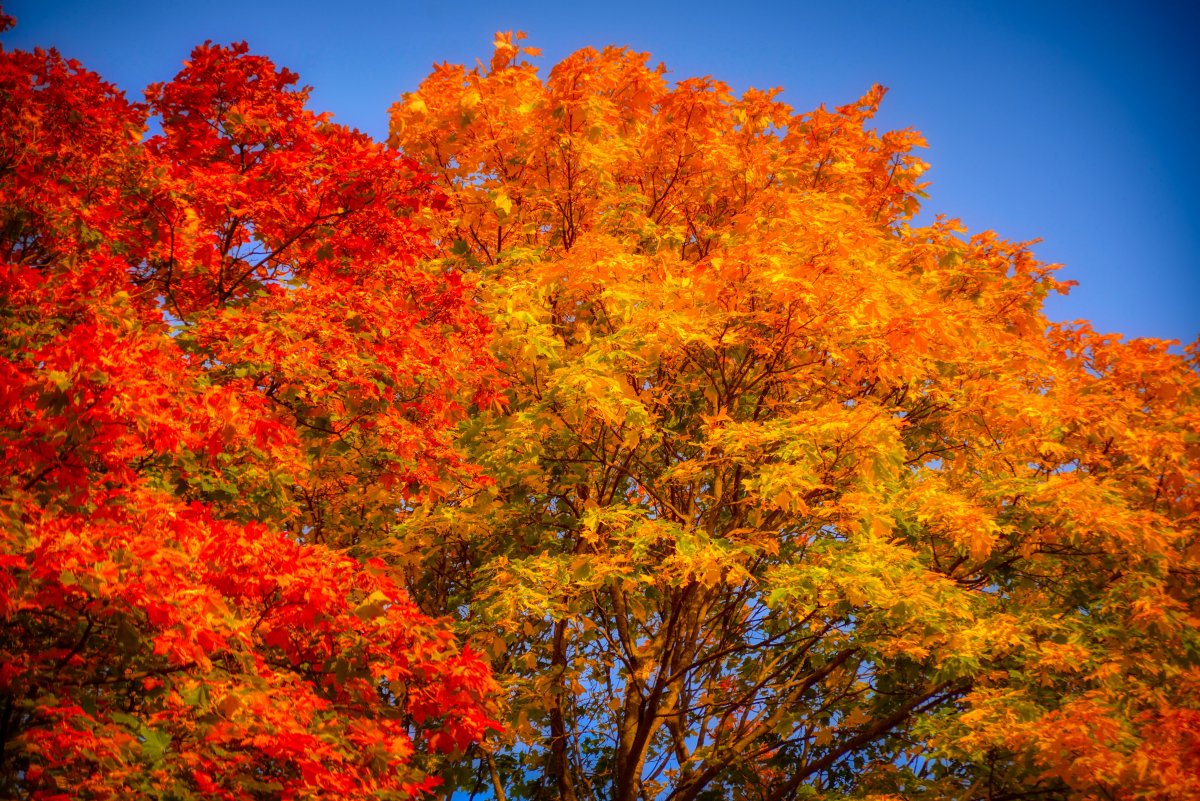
[(220, 356)]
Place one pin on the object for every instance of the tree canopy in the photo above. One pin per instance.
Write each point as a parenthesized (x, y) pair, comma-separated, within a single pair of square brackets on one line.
[(793, 496), (599, 437), (222, 366)]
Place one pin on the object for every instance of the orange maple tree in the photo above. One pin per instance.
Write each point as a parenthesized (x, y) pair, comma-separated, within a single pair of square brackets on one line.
[(222, 367), (795, 497)]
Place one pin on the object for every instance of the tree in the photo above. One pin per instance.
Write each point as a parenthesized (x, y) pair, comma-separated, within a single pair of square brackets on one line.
[(222, 367), (793, 496)]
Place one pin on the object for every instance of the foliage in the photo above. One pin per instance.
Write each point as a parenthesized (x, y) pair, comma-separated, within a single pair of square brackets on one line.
[(220, 356), (794, 497)]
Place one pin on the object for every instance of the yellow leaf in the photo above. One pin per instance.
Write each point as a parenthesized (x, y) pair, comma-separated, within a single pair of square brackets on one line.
[(469, 100), (502, 202)]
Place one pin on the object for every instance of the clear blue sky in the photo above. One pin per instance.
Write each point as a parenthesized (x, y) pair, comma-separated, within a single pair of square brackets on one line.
[(1073, 121)]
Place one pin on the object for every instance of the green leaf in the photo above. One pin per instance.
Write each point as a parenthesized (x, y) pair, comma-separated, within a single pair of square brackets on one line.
[(155, 743)]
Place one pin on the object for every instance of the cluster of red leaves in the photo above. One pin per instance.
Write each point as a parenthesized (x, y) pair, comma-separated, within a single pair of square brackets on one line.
[(217, 348)]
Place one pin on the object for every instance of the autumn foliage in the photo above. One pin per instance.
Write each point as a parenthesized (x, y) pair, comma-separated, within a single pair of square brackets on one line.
[(795, 497), (640, 417), (220, 358)]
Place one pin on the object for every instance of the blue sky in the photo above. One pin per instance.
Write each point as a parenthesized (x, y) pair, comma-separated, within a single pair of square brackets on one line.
[(1072, 122)]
